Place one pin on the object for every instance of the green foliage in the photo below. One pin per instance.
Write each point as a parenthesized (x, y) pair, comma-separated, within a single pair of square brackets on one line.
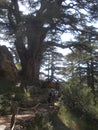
[(79, 99), (67, 118), (18, 66), (4, 105), (8, 93), (75, 122), (6, 86), (40, 123)]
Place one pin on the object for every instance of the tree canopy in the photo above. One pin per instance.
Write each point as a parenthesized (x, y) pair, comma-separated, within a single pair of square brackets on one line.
[(41, 25)]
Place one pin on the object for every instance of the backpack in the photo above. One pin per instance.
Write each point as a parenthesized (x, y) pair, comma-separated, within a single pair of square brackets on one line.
[(56, 93), (52, 93)]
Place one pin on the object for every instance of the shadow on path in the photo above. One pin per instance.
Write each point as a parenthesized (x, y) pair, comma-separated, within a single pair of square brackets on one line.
[(58, 124)]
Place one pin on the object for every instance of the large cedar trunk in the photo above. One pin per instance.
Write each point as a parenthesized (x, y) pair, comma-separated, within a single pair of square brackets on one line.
[(29, 34), (30, 68), (33, 69), (30, 72), (29, 63)]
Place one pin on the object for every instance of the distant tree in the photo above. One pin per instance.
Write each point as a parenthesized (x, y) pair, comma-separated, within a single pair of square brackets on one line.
[(49, 63), (33, 30), (52, 63), (83, 63)]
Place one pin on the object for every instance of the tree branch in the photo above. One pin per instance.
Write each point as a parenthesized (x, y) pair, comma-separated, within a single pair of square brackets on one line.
[(68, 45)]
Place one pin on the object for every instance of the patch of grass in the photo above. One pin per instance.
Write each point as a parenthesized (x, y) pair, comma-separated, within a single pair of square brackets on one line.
[(40, 123), (67, 118), (75, 122), (57, 123)]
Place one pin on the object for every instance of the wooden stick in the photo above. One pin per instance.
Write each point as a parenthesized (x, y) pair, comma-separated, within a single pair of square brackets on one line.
[(14, 110)]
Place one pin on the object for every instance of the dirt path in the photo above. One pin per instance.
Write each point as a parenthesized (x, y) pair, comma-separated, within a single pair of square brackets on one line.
[(7, 119), (25, 115), (22, 117)]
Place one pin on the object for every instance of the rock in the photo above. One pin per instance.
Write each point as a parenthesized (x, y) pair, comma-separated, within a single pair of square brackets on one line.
[(2, 127), (7, 66)]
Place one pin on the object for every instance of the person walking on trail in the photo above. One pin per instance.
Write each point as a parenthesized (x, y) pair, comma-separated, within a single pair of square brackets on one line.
[(51, 97)]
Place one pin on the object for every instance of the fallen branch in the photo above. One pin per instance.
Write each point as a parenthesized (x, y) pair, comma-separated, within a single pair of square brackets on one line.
[(32, 108), (14, 110)]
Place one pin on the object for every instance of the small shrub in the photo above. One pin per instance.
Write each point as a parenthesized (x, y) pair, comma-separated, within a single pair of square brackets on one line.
[(79, 98), (40, 123)]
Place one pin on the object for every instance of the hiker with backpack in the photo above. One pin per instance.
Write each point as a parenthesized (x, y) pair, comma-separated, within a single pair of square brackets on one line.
[(51, 97), (54, 93)]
